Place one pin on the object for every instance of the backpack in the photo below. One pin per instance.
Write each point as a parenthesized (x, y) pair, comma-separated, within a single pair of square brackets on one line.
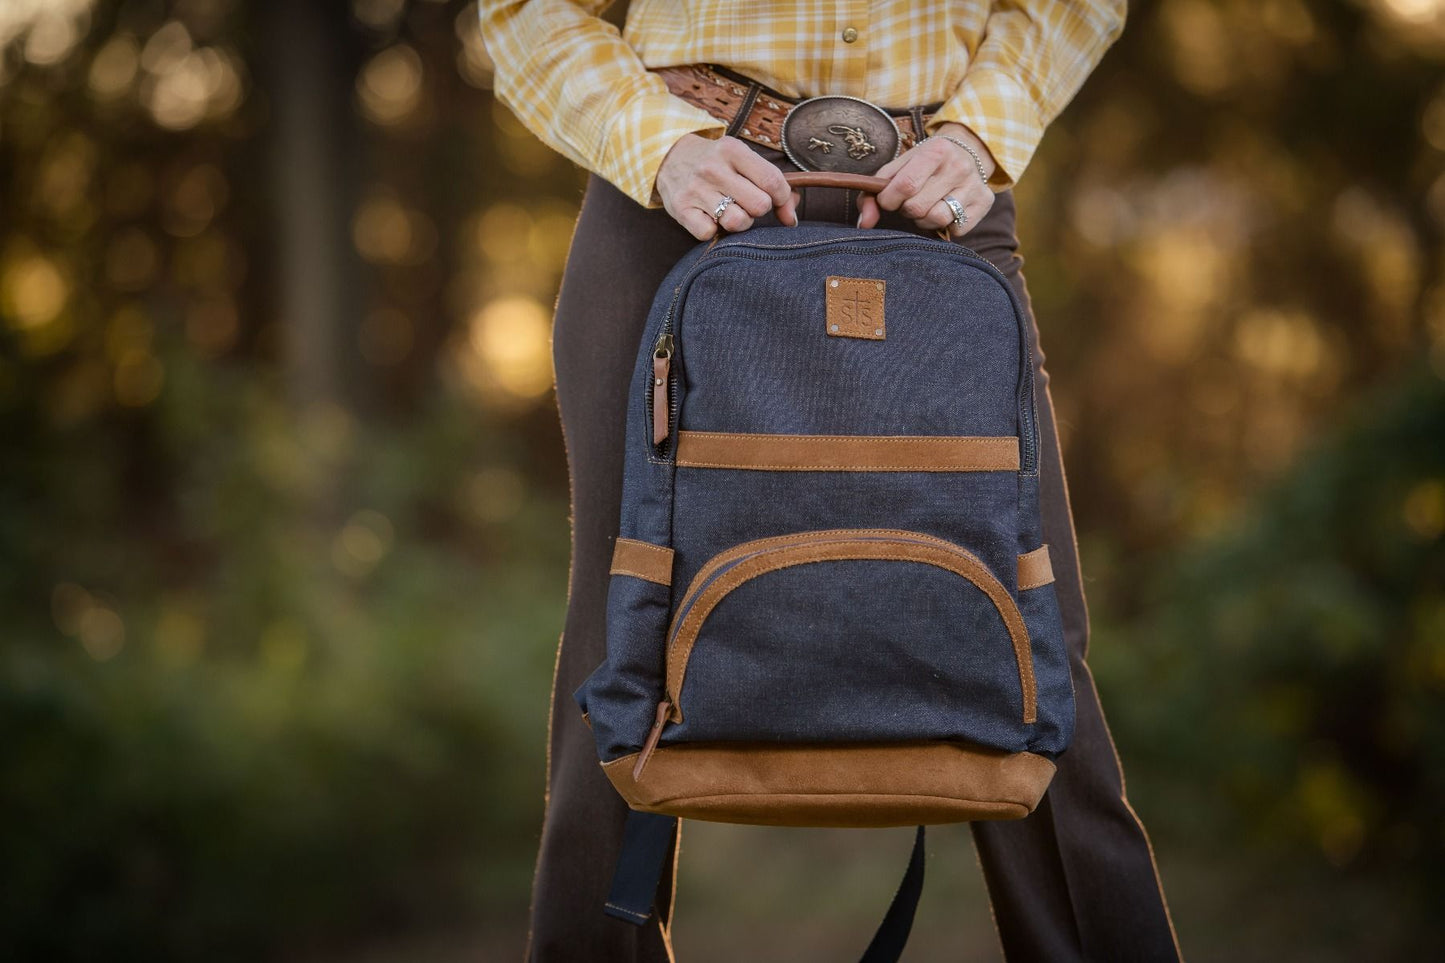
[(829, 603)]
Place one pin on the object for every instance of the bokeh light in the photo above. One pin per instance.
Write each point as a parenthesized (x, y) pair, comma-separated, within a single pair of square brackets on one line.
[(34, 289), (114, 68), (507, 356), (389, 87)]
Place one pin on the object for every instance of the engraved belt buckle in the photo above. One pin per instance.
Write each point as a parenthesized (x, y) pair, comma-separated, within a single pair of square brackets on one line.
[(836, 132)]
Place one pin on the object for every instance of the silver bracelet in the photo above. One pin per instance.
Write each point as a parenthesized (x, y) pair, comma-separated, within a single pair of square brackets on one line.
[(978, 161)]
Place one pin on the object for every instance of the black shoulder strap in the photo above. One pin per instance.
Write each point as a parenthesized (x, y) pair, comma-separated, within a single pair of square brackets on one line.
[(892, 935), (646, 838)]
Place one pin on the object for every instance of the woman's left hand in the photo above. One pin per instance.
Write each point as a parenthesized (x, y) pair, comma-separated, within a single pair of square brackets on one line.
[(922, 176)]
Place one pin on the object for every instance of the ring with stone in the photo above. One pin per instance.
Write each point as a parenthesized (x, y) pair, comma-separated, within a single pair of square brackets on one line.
[(960, 216), (722, 205)]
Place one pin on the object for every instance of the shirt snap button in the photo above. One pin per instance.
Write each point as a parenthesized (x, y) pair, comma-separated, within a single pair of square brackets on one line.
[(849, 35)]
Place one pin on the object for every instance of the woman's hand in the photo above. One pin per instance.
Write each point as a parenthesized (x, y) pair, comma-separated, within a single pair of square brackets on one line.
[(922, 176), (697, 173)]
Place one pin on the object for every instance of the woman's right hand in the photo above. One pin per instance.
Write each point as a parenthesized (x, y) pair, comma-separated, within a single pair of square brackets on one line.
[(697, 172)]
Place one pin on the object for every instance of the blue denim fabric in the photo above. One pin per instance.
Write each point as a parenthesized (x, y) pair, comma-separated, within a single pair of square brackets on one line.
[(842, 650)]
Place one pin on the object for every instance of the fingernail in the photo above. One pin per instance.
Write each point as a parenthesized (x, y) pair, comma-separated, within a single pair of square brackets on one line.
[(859, 222)]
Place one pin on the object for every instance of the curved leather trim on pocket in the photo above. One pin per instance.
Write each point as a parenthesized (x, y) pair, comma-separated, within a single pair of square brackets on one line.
[(642, 560), (771, 554), (887, 784), (721, 449), (1035, 569)]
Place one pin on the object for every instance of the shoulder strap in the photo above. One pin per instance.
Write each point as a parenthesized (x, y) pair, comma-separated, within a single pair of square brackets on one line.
[(646, 838), (892, 935)]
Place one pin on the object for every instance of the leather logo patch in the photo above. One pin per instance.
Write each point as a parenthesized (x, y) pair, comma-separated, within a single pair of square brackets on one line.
[(855, 308)]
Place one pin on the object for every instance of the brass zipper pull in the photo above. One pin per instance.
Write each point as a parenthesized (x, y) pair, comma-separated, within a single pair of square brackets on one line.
[(661, 367), (663, 708)]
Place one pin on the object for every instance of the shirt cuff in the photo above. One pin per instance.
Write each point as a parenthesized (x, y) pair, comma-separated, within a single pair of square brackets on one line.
[(640, 137), (1000, 112)]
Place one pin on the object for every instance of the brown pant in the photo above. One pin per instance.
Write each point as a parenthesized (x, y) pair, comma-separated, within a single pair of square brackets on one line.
[(1074, 881)]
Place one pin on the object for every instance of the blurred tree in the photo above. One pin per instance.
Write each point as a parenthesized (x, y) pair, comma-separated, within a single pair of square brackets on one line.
[(310, 56)]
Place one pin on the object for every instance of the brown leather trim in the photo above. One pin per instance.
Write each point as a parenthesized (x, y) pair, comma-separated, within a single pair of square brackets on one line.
[(798, 538), (778, 552), (642, 560), (721, 96), (661, 411), (1035, 569), (853, 182), (721, 449), (899, 784)]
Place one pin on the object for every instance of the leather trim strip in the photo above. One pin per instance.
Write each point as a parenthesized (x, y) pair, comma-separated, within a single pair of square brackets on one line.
[(898, 784), (642, 560), (798, 538), (719, 449), (770, 554), (1035, 569)]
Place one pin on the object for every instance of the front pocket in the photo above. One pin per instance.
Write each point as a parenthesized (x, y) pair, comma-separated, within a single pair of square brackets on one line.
[(925, 630)]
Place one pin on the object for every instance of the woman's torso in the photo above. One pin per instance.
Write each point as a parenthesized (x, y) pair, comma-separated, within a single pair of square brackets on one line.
[(900, 52)]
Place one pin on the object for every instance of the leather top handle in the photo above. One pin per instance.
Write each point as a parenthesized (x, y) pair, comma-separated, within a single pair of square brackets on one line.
[(856, 182), (853, 182)]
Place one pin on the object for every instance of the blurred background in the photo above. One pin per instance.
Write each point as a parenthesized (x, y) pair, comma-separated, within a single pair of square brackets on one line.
[(283, 505)]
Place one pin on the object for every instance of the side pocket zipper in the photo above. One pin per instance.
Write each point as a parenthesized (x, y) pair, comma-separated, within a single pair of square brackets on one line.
[(664, 709), (661, 375)]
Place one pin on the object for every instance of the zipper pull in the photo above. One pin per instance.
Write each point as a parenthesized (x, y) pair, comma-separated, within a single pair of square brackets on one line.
[(661, 366), (663, 708)]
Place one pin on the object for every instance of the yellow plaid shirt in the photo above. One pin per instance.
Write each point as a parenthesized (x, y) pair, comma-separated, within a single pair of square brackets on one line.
[(1004, 69)]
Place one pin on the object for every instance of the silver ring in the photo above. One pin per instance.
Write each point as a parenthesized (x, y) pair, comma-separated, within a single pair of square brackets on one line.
[(722, 205), (960, 216)]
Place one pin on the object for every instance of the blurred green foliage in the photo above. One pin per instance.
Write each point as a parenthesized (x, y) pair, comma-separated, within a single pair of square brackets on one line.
[(283, 507), (239, 742), (1286, 694)]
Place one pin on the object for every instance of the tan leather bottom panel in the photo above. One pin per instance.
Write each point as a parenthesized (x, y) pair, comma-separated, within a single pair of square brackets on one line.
[(834, 785)]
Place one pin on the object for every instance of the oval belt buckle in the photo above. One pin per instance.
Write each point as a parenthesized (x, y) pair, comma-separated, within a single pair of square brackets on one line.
[(836, 132)]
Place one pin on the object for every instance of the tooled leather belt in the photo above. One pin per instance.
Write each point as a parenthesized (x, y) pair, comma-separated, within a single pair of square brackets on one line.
[(833, 132)]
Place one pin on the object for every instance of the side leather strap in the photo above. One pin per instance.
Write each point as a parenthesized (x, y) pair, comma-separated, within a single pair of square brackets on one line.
[(642, 560), (1035, 569), (646, 838)]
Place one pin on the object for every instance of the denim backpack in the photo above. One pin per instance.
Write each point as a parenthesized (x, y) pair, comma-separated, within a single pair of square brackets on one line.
[(830, 602)]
